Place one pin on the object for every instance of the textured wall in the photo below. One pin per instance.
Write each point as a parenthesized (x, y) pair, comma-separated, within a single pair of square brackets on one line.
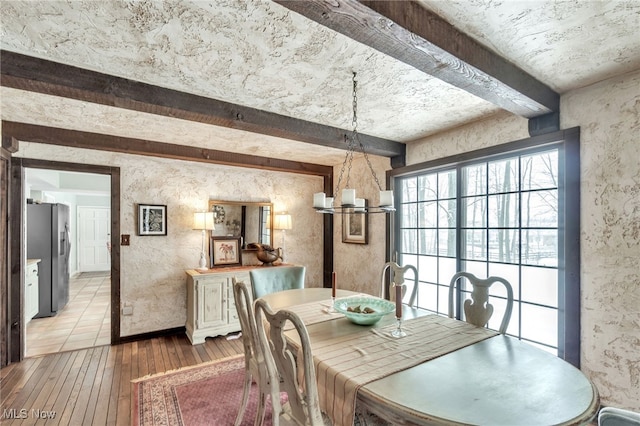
[(153, 277), (608, 114)]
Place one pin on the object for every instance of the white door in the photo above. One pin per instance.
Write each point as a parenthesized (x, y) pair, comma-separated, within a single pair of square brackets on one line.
[(94, 236)]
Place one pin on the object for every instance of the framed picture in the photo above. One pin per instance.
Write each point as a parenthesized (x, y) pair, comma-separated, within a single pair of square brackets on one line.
[(152, 219), (355, 227), (225, 251)]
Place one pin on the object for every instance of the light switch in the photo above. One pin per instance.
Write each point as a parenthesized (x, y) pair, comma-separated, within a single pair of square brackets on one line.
[(124, 239)]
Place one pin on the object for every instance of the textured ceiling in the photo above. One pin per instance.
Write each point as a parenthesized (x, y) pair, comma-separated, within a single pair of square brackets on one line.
[(260, 54)]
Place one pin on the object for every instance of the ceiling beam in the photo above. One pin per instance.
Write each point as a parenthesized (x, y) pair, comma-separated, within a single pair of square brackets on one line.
[(96, 141), (410, 33), (51, 78)]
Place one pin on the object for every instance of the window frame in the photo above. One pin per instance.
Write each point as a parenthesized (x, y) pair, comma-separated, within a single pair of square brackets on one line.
[(568, 144)]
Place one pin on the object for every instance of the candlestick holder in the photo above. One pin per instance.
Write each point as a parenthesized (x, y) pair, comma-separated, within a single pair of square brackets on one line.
[(331, 309), (398, 332)]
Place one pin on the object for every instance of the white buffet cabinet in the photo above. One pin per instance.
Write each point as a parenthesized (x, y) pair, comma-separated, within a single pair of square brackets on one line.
[(211, 309)]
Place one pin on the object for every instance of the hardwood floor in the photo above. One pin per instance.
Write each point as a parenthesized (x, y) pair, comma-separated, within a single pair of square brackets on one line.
[(93, 386)]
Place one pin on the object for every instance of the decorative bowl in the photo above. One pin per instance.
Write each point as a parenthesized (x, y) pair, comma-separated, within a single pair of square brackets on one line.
[(380, 307)]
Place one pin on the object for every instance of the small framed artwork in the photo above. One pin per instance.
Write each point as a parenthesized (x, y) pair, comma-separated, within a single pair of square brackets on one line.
[(225, 251), (355, 227), (152, 219)]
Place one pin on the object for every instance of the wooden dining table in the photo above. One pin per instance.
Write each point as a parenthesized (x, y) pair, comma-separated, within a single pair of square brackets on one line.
[(498, 380)]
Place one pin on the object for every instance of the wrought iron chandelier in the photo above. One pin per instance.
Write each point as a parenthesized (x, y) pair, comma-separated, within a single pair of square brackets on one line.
[(348, 202)]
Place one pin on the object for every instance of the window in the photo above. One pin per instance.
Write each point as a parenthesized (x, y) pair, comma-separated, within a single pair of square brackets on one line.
[(502, 215)]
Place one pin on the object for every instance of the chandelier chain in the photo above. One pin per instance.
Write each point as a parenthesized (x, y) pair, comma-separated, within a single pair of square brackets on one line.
[(351, 143)]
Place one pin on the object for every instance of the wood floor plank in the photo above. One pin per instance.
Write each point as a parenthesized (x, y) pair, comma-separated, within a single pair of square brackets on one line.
[(63, 398), (104, 388), (93, 386), (74, 395), (114, 395), (124, 403)]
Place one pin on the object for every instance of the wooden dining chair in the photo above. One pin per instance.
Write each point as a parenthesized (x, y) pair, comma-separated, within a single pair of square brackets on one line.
[(478, 310), (296, 369), (270, 279), (397, 275), (256, 368)]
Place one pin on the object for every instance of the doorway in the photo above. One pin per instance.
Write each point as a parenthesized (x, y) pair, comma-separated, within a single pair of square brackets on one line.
[(84, 321)]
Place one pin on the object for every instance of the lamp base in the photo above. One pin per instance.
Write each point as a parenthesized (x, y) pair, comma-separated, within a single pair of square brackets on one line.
[(202, 266)]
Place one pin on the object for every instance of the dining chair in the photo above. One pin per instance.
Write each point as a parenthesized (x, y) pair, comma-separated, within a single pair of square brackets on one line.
[(397, 275), (296, 369), (270, 279), (256, 368), (478, 310), (612, 416)]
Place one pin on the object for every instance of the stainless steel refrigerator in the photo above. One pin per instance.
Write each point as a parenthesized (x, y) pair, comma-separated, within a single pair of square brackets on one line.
[(48, 239)]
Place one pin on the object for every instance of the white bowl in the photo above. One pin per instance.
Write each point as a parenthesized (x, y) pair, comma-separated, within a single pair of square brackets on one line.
[(381, 307)]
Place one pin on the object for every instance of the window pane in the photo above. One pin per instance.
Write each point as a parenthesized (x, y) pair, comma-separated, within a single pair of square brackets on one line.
[(447, 214), (474, 180), (540, 209), (428, 187), (447, 241), (443, 299), (409, 217), (428, 296), (509, 273), (503, 211), (428, 241), (447, 184), (540, 324), (540, 171), (503, 176), (475, 244), (428, 268), (427, 214), (514, 323), (479, 269), (447, 269), (540, 285), (504, 245), (409, 241), (475, 212), (540, 247), (409, 191)]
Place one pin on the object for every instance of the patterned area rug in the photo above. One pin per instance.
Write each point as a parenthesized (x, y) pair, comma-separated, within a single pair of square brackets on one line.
[(204, 394)]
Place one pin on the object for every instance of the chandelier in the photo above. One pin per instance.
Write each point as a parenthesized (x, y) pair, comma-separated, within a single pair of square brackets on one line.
[(348, 202)]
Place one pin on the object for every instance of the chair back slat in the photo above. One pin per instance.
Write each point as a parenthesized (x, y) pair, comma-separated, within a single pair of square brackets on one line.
[(478, 310)]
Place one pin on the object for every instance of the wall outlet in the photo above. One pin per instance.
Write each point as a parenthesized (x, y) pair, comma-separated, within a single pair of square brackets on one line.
[(127, 310)]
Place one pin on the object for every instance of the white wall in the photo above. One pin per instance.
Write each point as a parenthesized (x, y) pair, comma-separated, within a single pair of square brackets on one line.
[(608, 115)]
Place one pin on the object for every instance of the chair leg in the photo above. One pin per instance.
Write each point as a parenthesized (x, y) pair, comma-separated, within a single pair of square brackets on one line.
[(261, 408), (245, 397)]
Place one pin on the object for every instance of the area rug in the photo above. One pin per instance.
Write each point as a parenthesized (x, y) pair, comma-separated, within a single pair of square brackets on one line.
[(204, 394)]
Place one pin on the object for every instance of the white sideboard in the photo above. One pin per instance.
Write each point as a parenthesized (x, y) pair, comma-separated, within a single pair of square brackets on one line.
[(211, 309), (31, 290)]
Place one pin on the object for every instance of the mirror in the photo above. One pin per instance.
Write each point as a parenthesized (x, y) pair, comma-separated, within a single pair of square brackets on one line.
[(253, 222)]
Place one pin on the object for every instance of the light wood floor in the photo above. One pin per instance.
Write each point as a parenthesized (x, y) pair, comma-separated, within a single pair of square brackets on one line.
[(93, 386)]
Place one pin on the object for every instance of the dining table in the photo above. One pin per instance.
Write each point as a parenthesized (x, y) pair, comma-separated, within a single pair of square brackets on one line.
[(445, 371)]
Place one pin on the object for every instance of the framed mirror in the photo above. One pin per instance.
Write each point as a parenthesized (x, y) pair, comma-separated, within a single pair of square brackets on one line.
[(252, 222)]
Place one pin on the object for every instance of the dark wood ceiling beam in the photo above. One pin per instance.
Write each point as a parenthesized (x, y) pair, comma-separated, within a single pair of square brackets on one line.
[(97, 141), (408, 32), (38, 75)]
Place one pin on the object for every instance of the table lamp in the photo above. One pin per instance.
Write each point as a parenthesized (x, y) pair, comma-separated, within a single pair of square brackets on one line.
[(282, 221), (203, 221)]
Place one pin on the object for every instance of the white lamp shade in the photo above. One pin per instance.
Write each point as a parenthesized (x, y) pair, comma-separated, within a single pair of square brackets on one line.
[(204, 221), (282, 221)]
